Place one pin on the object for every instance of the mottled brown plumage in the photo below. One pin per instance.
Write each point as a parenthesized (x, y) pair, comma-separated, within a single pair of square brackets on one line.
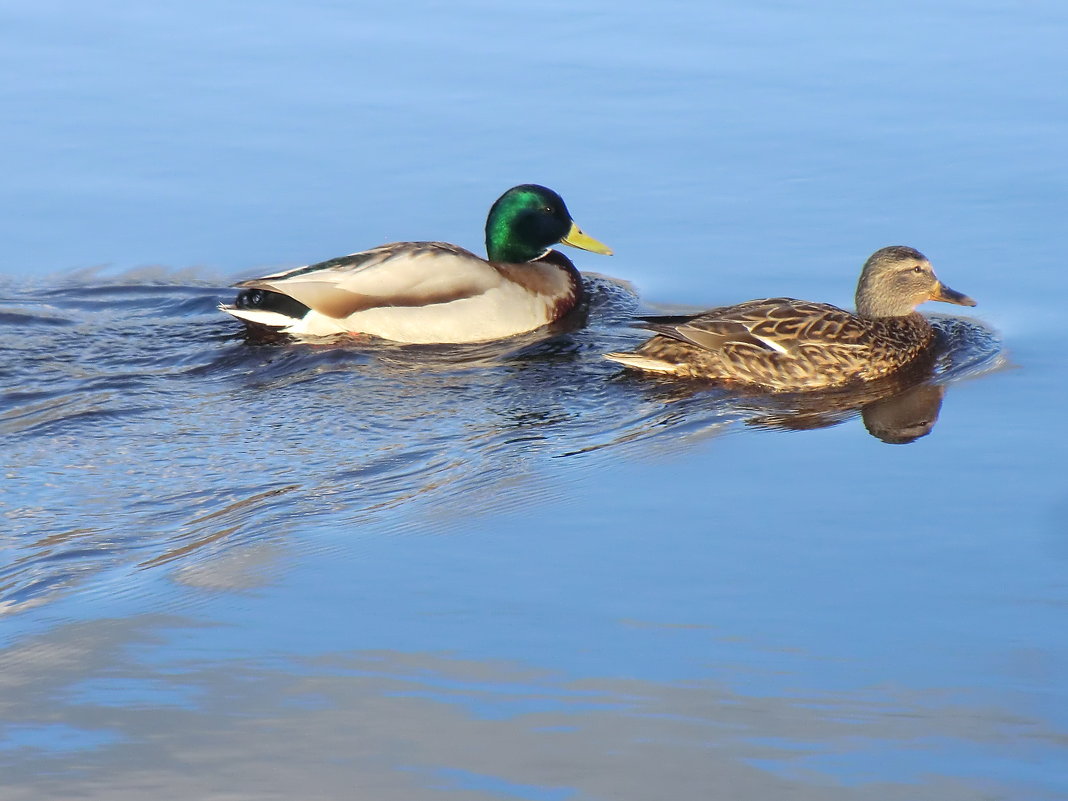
[(784, 344)]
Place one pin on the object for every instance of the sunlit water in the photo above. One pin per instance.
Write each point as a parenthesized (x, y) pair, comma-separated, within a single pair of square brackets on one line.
[(346, 570), (142, 429)]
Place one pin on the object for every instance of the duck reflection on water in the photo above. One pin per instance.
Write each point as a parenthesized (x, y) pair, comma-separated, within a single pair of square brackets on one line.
[(896, 415), (552, 391), (897, 409)]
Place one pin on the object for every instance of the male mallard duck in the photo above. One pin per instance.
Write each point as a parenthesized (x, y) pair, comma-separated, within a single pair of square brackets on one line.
[(790, 345), (434, 292)]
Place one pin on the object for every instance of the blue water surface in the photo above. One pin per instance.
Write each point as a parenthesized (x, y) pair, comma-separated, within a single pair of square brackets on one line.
[(276, 571)]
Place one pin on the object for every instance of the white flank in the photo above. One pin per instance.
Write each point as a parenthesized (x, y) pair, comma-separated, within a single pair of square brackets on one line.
[(503, 311)]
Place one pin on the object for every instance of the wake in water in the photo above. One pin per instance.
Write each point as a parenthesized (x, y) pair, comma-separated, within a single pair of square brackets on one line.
[(143, 431)]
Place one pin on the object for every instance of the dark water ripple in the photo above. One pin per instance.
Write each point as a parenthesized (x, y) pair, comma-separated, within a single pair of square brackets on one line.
[(141, 430)]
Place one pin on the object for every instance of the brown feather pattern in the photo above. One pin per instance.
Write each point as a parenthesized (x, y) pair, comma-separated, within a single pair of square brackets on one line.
[(787, 344), (784, 344)]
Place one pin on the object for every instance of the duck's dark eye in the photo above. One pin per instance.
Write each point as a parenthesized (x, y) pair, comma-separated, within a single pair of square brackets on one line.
[(917, 269), (548, 210)]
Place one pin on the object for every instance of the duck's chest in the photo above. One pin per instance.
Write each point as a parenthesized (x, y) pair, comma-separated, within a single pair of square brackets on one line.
[(896, 341), (551, 283)]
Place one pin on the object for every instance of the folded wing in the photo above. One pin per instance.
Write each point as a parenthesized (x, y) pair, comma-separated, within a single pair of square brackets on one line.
[(772, 325), (402, 274)]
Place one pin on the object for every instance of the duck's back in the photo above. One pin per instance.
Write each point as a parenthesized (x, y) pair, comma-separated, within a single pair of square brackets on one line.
[(780, 344), (416, 292)]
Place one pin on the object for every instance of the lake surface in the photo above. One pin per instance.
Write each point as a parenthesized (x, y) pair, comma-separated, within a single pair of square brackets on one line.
[(509, 571)]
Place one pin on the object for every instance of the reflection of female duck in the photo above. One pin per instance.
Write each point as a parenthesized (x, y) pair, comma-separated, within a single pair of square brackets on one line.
[(434, 292), (896, 411), (783, 344), (906, 417)]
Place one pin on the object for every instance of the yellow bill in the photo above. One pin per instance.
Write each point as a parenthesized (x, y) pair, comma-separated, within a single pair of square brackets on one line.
[(577, 239)]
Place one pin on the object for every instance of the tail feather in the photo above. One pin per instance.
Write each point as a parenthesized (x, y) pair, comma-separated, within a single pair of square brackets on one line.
[(266, 308), (268, 300), (639, 362), (271, 319)]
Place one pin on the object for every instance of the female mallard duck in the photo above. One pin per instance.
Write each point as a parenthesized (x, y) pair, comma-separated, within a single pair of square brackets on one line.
[(434, 292), (791, 345)]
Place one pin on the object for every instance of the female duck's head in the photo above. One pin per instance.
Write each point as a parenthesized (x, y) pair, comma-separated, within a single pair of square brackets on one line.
[(527, 220), (897, 279)]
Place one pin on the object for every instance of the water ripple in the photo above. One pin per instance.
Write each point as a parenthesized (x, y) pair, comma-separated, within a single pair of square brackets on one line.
[(143, 431)]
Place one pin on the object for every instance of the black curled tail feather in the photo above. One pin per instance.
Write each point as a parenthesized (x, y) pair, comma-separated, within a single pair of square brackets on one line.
[(267, 300)]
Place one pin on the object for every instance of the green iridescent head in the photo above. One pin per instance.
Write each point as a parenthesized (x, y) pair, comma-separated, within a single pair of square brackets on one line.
[(527, 220)]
